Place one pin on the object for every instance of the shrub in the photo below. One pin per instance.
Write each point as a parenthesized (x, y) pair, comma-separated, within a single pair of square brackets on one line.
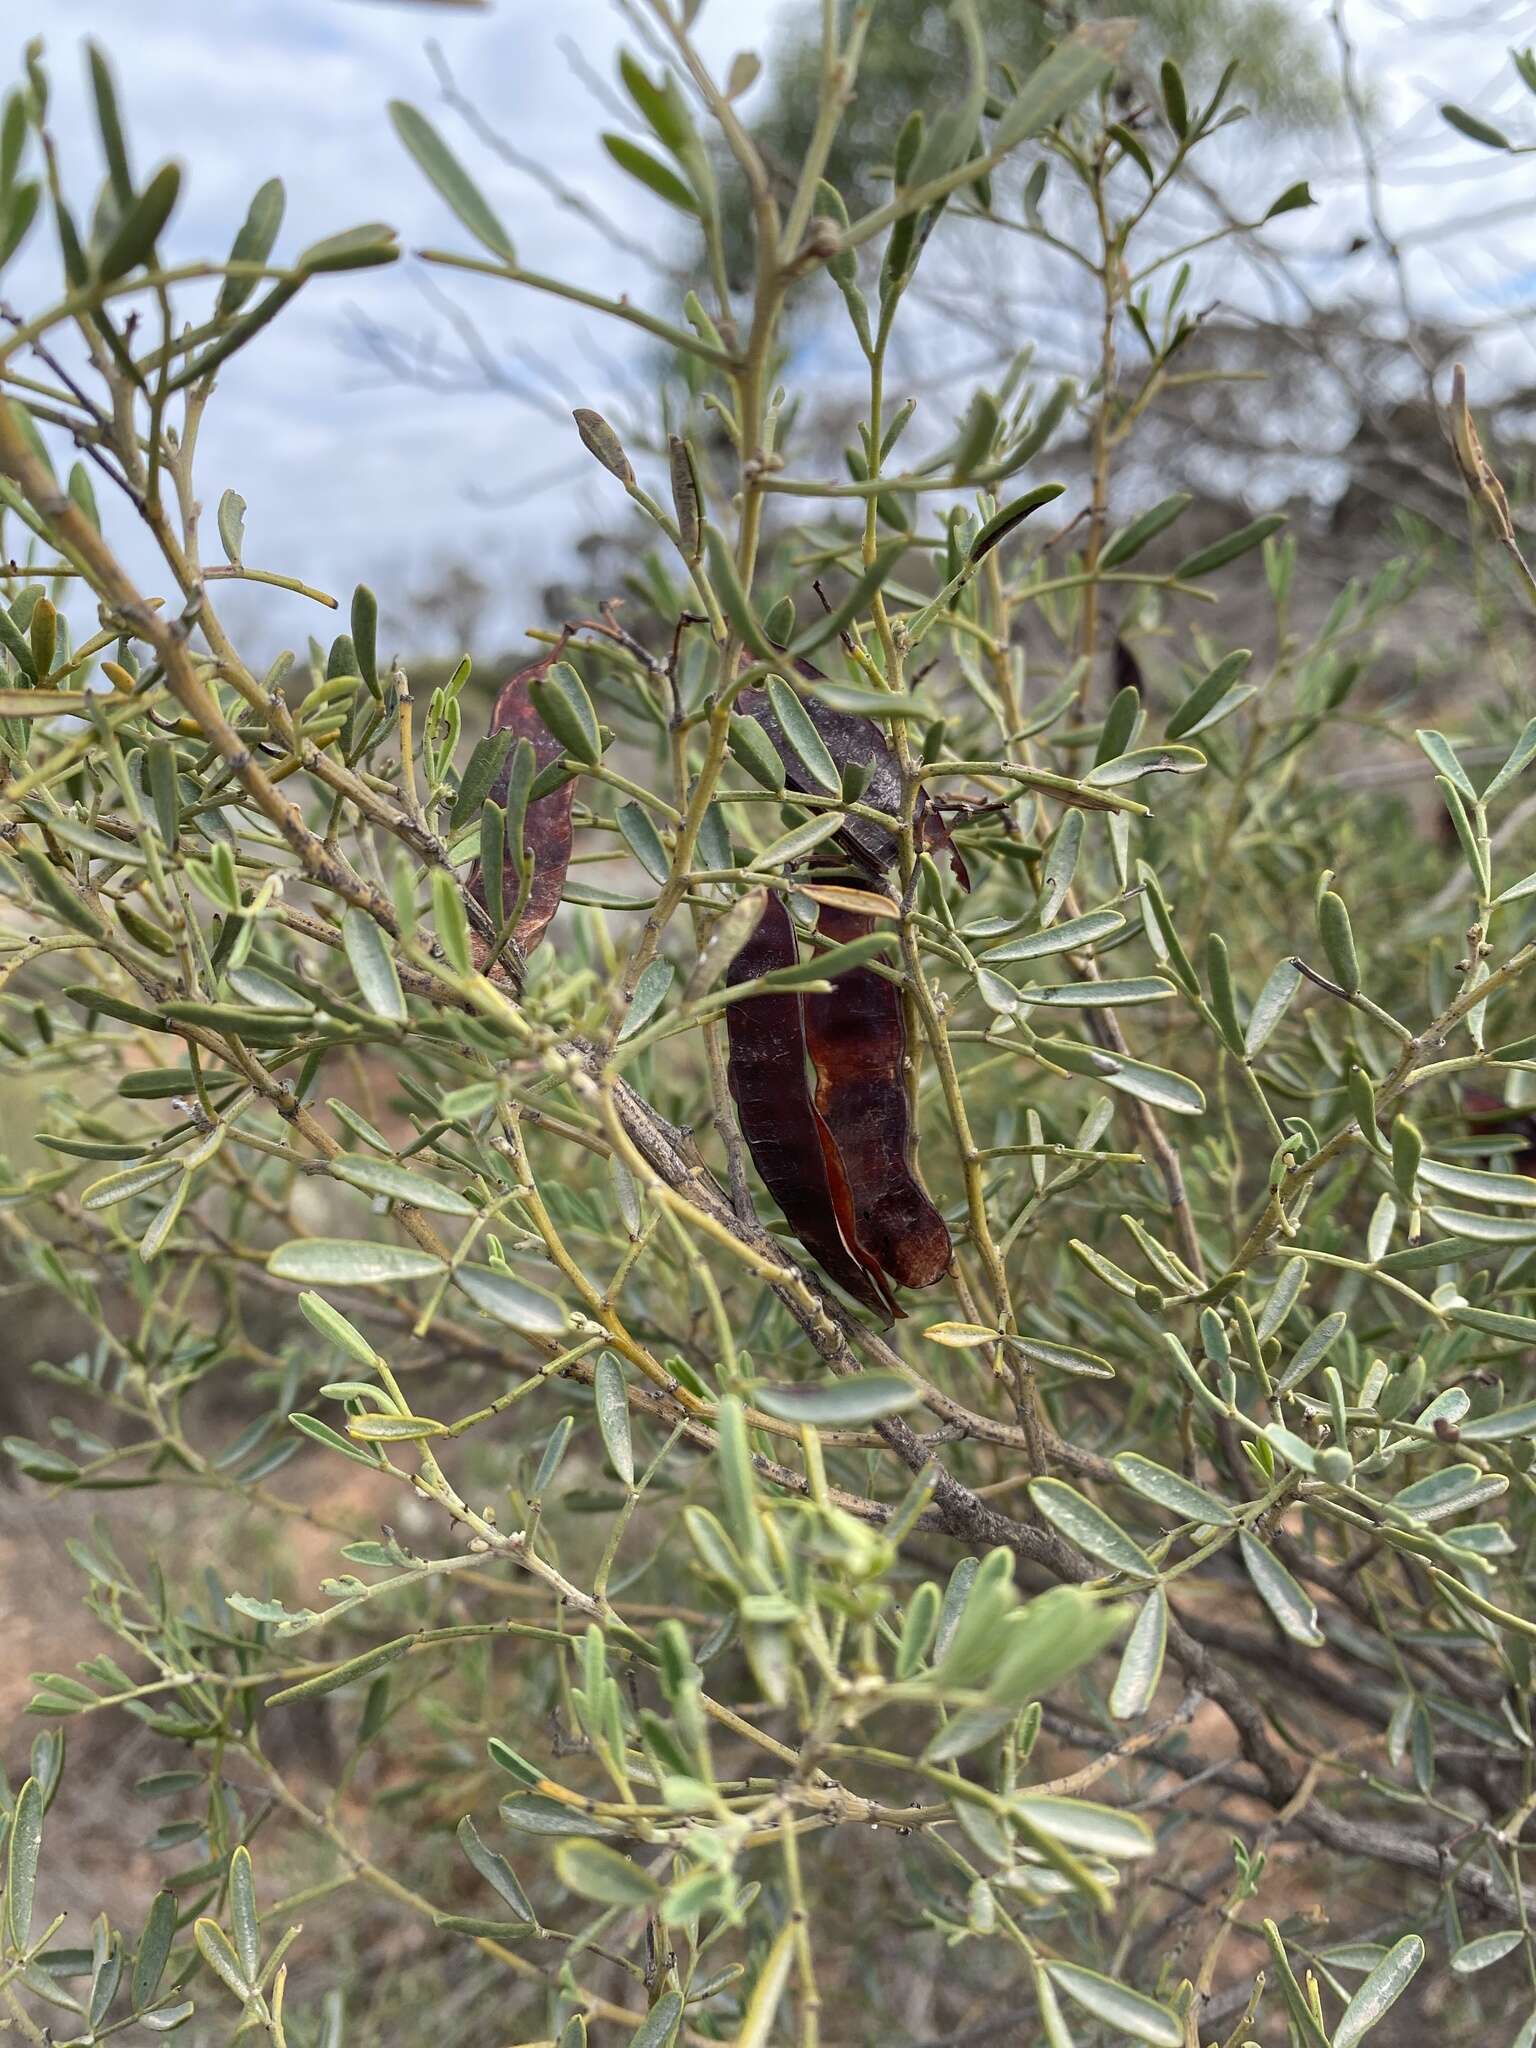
[(1136, 1629)]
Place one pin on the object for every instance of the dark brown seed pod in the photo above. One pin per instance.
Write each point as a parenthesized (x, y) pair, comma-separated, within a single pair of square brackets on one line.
[(857, 742), (858, 1046), (547, 822), (790, 1145), (849, 740)]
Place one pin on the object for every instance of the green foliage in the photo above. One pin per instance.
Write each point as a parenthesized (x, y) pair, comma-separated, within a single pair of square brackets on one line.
[(691, 1638)]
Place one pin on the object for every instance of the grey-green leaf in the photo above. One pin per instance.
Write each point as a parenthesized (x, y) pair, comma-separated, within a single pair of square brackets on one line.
[(799, 840), (243, 1917), (232, 525), (399, 1184), (1503, 1423), (495, 1869), (1223, 551), (561, 700), (1380, 1991), (219, 1954), (1167, 759), (1070, 937), (1282, 1297), (1141, 1661), (650, 993), (1445, 758), (1488, 1949), (1132, 538), (1518, 759), (1089, 1527), (521, 1307), (1207, 694), (133, 242), (1291, 1607), (451, 179), (252, 244), (1171, 1490), (350, 1262), (839, 1404), (1100, 995), (598, 1872), (643, 840), (659, 2026), (810, 748), (611, 1399), (651, 172), (369, 956), (22, 1848), (1085, 1824), (1117, 2005), (154, 1948), (1312, 1350), (1517, 1189)]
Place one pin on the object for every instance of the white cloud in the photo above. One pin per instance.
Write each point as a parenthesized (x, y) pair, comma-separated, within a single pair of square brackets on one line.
[(350, 477)]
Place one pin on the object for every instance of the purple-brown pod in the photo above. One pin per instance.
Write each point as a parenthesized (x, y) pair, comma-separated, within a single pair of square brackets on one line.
[(853, 740), (547, 821), (848, 739), (790, 1146), (857, 1040)]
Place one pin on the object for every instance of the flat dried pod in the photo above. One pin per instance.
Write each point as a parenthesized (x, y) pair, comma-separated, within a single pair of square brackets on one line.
[(547, 819), (858, 1045), (790, 1147)]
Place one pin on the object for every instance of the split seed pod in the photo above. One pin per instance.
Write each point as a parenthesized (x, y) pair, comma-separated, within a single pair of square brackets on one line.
[(858, 1045), (791, 1149)]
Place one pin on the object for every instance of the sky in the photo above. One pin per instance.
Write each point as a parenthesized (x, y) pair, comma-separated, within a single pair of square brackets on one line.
[(352, 473)]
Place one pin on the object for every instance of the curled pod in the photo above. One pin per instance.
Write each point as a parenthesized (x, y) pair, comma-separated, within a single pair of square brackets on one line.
[(547, 820), (790, 1145), (853, 741), (857, 1039)]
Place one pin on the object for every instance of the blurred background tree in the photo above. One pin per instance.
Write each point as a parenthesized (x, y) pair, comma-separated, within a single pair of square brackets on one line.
[(914, 56)]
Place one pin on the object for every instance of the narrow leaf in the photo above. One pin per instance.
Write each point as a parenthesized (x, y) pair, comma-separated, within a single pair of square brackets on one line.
[(1291, 1607), (451, 179), (840, 1404), (369, 957), (1089, 1527), (350, 1262), (1141, 1661)]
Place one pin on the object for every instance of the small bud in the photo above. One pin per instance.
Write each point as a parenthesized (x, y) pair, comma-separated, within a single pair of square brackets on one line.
[(1338, 941), (823, 239), (43, 634), (685, 497), (599, 439)]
